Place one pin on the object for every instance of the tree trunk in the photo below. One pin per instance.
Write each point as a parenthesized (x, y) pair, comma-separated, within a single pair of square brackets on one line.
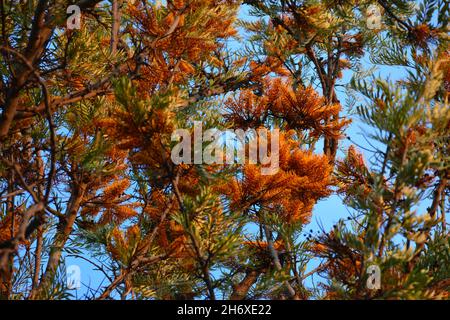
[(63, 232), (241, 290)]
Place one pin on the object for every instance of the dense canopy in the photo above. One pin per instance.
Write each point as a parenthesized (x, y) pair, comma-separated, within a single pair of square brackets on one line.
[(91, 93)]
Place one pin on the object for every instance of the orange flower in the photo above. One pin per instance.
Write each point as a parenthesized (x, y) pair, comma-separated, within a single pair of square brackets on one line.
[(302, 179)]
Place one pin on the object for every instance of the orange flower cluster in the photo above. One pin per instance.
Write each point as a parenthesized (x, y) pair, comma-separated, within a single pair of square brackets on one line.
[(111, 203), (445, 67), (145, 136), (263, 245), (260, 252), (303, 178), (352, 172), (169, 231), (340, 262), (123, 245), (177, 45), (307, 18), (170, 236), (301, 109), (105, 194), (421, 34), (6, 226), (270, 64)]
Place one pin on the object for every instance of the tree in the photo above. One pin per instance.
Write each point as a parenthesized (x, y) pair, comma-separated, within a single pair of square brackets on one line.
[(400, 201), (86, 137)]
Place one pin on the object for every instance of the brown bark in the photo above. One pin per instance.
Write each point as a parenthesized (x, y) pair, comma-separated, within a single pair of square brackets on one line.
[(38, 257), (241, 289), (63, 232), (115, 25)]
